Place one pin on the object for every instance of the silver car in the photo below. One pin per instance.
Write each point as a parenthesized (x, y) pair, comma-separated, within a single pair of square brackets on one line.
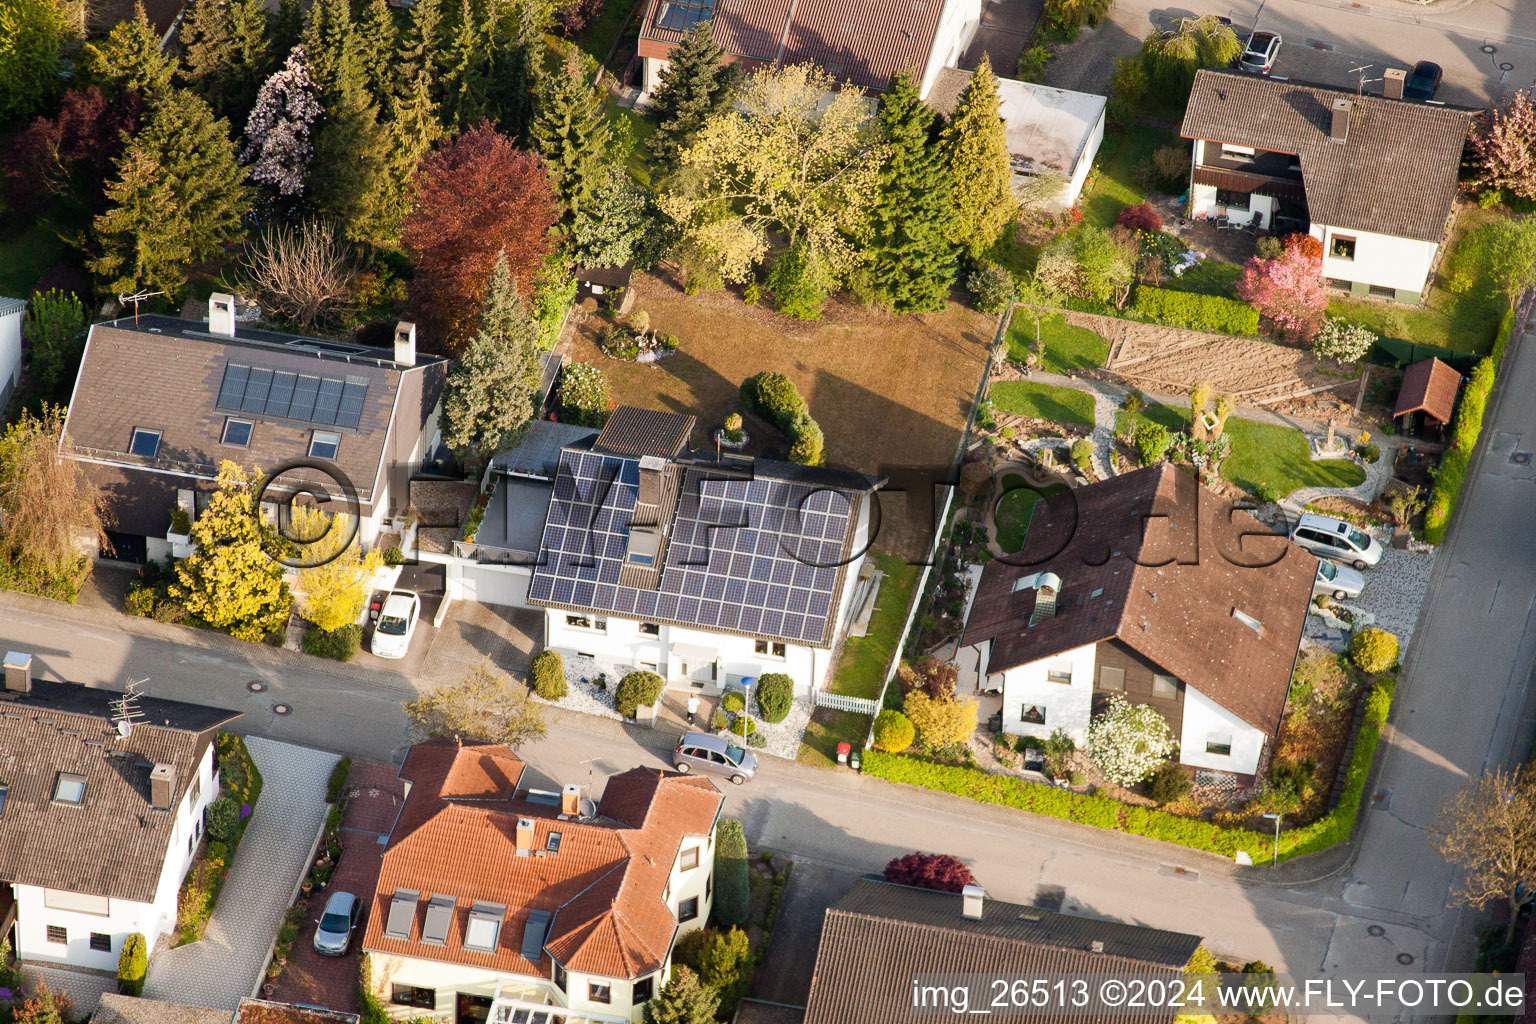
[(1336, 581), (714, 755), (1260, 53), (334, 932), (1333, 538)]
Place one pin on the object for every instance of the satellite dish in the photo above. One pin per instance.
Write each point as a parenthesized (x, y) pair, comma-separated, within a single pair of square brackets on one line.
[(588, 808), (124, 728)]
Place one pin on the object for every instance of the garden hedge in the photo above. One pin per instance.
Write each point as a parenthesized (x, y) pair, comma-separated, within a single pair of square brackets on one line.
[(731, 892), (637, 690), (132, 965), (1464, 435), (1200, 312), (775, 398), (775, 696), (338, 645), (1102, 812)]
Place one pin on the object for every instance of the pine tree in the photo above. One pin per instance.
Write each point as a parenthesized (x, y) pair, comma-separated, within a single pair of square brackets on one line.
[(913, 264), (277, 136), (976, 150), (201, 168), (332, 50), (412, 129), (285, 30), (350, 182), (491, 391), (516, 47), (378, 41), (572, 131), (463, 78), (685, 1000), (139, 236), (29, 58), (130, 60), (226, 53), (696, 83), (419, 42)]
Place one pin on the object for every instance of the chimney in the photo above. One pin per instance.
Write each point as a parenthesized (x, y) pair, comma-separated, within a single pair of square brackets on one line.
[(972, 899), (1392, 83), (1096, 946), (162, 783), (1338, 130), (405, 343), (570, 800), (1047, 586), (524, 836), (221, 314), (18, 672)]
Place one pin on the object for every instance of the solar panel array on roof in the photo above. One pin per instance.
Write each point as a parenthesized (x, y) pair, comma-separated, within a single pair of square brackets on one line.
[(682, 16), (295, 396), (755, 556)]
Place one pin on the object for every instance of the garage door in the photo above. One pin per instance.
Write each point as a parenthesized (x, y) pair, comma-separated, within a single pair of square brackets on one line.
[(508, 586)]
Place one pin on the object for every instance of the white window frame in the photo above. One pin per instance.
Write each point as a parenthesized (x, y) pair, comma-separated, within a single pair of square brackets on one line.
[(1232, 152), (593, 623), (775, 649), (324, 437), (133, 439), (230, 421), (1218, 739), (1055, 669)]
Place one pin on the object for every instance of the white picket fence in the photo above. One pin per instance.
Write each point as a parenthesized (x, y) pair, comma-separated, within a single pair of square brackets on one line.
[(858, 705)]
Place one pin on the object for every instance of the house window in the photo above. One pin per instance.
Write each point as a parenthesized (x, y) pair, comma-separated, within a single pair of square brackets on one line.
[(413, 995), (709, 885), (1111, 678), (1166, 687), (1058, 673), (773, 650), (1219, 743), (650, 629), (484, 926), (645, 988), (1342, 247), (690, 858), (599, 992), (1232, 200), (1237, 152), (560, 978), (3, 791), (587, 622), (688, 909), (68, 789), (58, 934), (323, 445), (101, 943), (237, 433), (144, 443), (1034, 714)]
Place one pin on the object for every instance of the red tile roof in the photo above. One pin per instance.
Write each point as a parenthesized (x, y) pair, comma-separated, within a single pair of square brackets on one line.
[(1428, 386), (605, 885)]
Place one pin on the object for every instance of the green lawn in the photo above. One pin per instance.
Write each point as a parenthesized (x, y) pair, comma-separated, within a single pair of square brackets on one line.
[(1014, 511), (641, 128), (597, 38), (860, 671), (28, 246), (1127, 423), (1115, 187), (1066, 347), (1208, 277), (828, 728), (1044, 402)]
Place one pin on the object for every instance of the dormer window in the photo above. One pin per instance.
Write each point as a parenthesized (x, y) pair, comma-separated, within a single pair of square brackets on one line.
[(144, 443), (323, 445), (644, 545), (1232, 152), (484, 926), (68, 788), (237, 433)]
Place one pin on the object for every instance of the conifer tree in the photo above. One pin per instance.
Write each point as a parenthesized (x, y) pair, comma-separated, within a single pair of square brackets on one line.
[(516, 46), (378, 42), (278, 147), (332, 51), (130, 59), (226, 53), (696, 83), (492, 389), (463, 76), (913, 263), (412, 129), (285, 30), (684, 1000), (201, 168), (419, 42), (976, 151), (350, 182), (32, 31), (138, 237), (572, 131)]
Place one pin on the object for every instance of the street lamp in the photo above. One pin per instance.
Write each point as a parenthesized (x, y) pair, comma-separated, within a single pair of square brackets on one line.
[(1275, 859)]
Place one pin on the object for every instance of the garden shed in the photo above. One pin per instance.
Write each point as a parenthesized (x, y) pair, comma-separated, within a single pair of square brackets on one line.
[(609, 285), (1429, 387)]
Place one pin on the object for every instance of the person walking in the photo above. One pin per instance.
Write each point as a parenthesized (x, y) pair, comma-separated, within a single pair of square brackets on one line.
[(693, 707)]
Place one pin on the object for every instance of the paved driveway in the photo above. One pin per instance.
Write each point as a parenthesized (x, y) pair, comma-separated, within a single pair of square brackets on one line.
[(473, 631), (813, 886), (223, 967)]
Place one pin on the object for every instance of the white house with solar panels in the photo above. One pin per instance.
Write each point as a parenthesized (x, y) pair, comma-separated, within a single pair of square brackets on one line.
[(645, 555)]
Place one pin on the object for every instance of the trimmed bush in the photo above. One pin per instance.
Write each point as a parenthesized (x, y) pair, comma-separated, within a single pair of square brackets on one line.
[(635, 690), (733, 702), (1212, 313), (991, 287), (894, 731), (1373, 650), (335, 786), (338, 645), (170, 610), (743, 726), (548, 674), (1141, 217), (1464, 435), (140, 600), (775, 696), (774, 397), (1082, 454), (808, 446), (731, 893), (941, 872), (1152, 443), (132, 965), (29, 575), (223, 819), (1168, 783)]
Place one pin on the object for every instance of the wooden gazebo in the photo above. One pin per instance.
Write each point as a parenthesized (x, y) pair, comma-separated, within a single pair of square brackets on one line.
[(1429, 387)]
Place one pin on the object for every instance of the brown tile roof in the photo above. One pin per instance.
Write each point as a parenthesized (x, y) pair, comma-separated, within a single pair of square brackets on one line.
[(112, 843), (120, 1009), (1428, 386), (864, 42), (641, 432), (604, 886), (165, 374), (1136, 563), (1395, 174), (1239, 181), (879, 936), (261, 1011)]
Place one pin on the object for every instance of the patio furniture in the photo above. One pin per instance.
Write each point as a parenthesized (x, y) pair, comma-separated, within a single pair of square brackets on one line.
[(1222, 222), (1254, 221)]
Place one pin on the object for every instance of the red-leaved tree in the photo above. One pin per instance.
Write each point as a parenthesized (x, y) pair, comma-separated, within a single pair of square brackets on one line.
[(1502, 140), (476, 195), (74, 151), (939, 871), (1288, 291), (1141, 217)]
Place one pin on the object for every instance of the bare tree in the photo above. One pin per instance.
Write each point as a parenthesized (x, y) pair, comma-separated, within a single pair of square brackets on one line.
[(304, 274), (488, 706), (1489, 830), (50, 511)]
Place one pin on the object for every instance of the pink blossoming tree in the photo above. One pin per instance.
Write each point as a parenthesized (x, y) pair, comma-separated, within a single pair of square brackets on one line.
[(277, 142), (1288, 292), (1502, 142)]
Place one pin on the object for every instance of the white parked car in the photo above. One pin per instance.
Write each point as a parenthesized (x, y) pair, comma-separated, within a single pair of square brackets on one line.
[(397, 622), (1337, 581), (1333, 538)]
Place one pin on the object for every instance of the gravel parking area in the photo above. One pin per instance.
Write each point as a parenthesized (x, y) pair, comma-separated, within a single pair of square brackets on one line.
[(1394, 591)]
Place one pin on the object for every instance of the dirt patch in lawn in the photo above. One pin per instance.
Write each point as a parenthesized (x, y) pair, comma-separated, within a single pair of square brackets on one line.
[(887, 390)]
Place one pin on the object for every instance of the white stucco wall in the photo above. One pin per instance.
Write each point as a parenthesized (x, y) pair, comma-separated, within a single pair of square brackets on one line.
[(1204, 197), (10, 349), (1383, 260), (1205, 719), (957, 27), (1074, 187), (1068, 706), (123, 917)]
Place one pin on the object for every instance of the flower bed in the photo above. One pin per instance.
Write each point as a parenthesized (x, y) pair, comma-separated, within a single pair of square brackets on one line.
[(582, 691), (240, 783)]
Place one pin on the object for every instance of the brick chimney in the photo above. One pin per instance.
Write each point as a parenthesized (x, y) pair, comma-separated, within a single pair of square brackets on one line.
[(524, 837), (162, 785), (18, 672), (1392, 82), (1338, 128), (221, 314), (405, 343), (570, 800)]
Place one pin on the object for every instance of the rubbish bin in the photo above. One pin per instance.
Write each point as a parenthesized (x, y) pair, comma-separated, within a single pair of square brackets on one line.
[(855, 759), (842, 753)]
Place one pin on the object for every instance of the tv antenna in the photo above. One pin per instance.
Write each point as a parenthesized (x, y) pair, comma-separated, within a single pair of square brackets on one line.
[(136, 298), (125, 709), (1361, 79)]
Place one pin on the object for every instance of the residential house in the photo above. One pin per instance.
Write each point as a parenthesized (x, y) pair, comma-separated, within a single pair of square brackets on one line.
[(100, 814), (860, 42), (1150, 587), (1370, 177), (1053, 134), (497, 901), (12, 312), (704, 570), (159, 403), (120, 1009), (880, 938)]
